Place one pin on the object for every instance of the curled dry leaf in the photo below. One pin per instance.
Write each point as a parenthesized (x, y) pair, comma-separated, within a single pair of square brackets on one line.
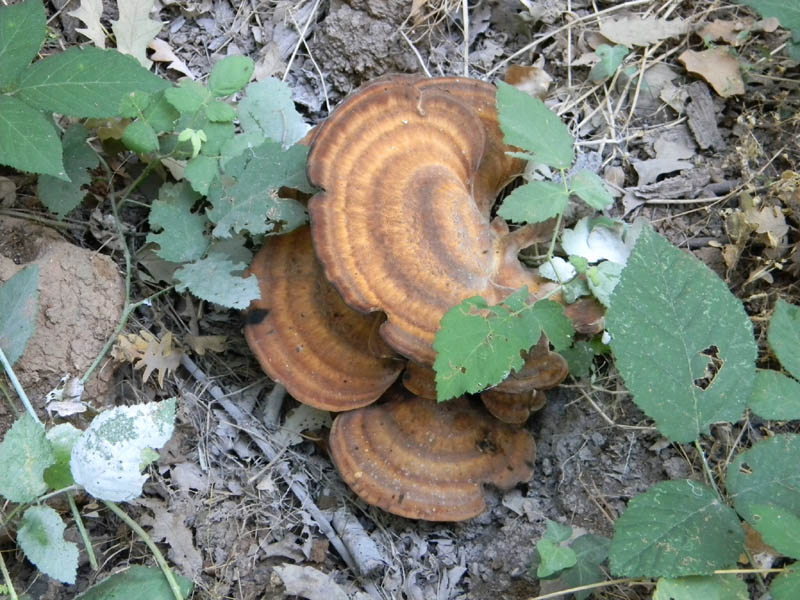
[(410, 169), (306, 337), (419, 459), (718, 67), (163, 52), (634, 30)]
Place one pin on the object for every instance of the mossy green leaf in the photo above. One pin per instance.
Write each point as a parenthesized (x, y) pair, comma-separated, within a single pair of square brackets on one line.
[(24, 453), (268, 109), (182, 232), (41, 537), (682, 342), (217, 279)]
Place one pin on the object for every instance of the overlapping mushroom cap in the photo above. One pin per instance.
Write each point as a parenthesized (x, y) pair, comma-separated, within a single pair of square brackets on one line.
[(306, 337), (410, 168), (423, 460)]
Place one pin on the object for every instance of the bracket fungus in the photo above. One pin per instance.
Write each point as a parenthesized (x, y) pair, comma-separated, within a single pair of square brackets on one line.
[(306, 337), (422, 460), (409, 169)]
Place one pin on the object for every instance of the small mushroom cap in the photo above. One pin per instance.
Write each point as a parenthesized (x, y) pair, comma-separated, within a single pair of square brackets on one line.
[(306, 337), (420, 380), (587, 315), (513, 408), (407, 167), (543, 369), (422, 460)]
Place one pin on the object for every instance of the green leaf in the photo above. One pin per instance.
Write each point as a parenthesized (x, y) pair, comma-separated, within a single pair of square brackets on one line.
[(610, 60), (534, 202), (590, 188), (590, 551), (136, 583), (160, 114), (786, 586), (779, 528), (783, 335), (106, 458), (230, 75), (245, 198), (19, 297), (62, 438), (41, 537), (217, 279), (200, 172), (219, 112), (554, 558), (579, 358), (557, 532), (140, 137), (682, 342), (183, 237), (775, 396), (24, 454), (134, 104), (787, 13), (479, 345), (61, 196), (709, 587), (28, 140), (602, 279), (187, 97), (85, 82), (22, 29), (268, 109), (767, 473), (217, 135), (527, 123), (675, 528)]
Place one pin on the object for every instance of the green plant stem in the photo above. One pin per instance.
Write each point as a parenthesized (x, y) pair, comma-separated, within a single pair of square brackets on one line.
[(12, 593), (18, 387), (87, 543), (162, 563)]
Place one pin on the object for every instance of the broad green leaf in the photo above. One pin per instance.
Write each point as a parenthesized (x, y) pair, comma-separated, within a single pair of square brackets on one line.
[(775, 396), (675, 528), (183, 237), (779, 528), (244, 196), (216, 279), (527, 123), (230, 75), (787, 13), (708, 587), (140, 137), (786, 586), (610, 60), (237, 145), (557, 532), (134, 104), (61, 196), (219, 112), (217, 135), (590, 188), (554, 558), (24, 453), (19, 297), (682, 342), (579, 358), (136, 583), (85, 82), (200, 172), (268, 109), (106, 459), (534, 202), (590, 552), (160, 114), (62, 438), (28, 140), (783, 335), (479, 345), (41, 537), (602, 279), (187, 97), (767, 473), (22, 28)]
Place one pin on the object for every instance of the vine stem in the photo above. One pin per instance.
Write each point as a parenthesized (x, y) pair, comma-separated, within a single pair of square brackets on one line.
[(162, 562), (18, 387), (87, 543), (12, 593)]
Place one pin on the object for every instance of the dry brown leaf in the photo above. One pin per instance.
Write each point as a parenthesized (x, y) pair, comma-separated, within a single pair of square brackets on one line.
[(641, 31), (161, 357), (718, 67), (200, 344), (769, 221), (90, 12), (130, 347), (162, 52), (135, 29)]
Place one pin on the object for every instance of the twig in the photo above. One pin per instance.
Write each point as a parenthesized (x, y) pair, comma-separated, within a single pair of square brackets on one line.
[(17, 386), (313, 61), (248, 423), (465, 19), (12, 593), (87, 543), (300, 41), (416, 53), (592, 586)]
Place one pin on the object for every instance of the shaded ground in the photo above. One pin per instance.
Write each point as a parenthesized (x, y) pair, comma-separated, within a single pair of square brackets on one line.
[(713, 174)]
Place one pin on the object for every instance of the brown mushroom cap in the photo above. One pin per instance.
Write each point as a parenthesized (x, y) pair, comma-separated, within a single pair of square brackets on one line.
[(513, 408), (587, 315), (543, 369), (420, 380), (423, 460), (407, 166), (306, 337)]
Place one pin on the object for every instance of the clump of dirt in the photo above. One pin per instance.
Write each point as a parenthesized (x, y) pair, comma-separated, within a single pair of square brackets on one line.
[(81, 295)]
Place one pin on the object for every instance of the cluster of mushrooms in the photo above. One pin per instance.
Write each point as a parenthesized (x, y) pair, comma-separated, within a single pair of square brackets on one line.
[(410, 169)]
